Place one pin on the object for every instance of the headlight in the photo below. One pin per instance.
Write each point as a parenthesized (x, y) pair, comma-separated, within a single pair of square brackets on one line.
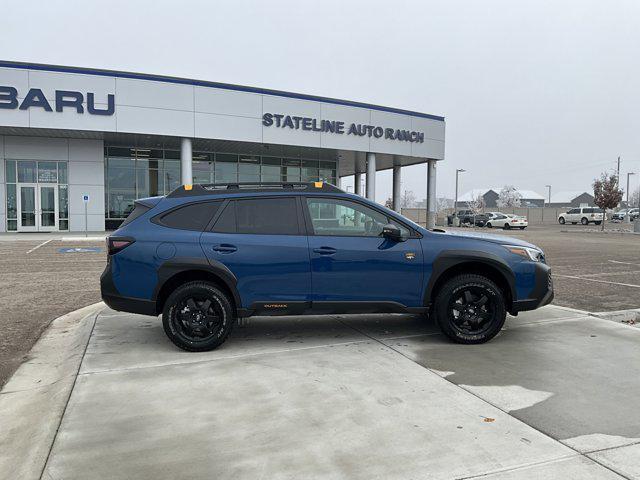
[(528, 253)]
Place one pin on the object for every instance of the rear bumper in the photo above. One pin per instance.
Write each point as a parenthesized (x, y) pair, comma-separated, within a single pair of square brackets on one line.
[(115, 301), (542, 293)]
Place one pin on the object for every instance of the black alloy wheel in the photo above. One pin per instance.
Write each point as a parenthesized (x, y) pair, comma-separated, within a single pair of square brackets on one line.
[(198, 317), (470, 309)]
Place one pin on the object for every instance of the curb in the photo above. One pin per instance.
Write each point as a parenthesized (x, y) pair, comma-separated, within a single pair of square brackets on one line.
[(33, 401), (630, 317)]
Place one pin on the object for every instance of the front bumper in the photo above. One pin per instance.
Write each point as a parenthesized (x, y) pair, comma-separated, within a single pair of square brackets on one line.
[(120, 303), (542, 293)]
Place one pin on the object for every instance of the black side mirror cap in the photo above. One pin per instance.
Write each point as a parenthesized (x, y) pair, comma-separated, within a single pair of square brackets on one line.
[(392, 232)]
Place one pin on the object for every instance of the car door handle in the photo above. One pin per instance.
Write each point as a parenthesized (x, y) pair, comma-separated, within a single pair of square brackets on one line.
[(224, 248), (325, 250)]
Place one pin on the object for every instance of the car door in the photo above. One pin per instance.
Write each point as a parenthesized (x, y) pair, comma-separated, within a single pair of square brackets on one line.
[(353, 267), (573, 214), (262, 241)]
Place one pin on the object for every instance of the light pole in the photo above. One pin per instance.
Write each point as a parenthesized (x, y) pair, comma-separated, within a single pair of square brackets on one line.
[(455, 203), (628, 175)]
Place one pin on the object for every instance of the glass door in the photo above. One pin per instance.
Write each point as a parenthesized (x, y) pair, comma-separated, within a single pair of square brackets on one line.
[(27, 214), (48, 215)]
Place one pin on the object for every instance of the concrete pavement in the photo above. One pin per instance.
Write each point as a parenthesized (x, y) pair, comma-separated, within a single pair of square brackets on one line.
[(355, 397)]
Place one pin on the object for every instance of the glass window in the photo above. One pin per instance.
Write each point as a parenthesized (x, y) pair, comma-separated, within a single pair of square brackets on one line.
[(138, 210), (27, 172), (290, 170), (12, 206), (12, 225), (249, 169), (267, 216), (121, 187), (345, 218), (194, 216), (171, 175), (309, 171), (226, 168), (271, 169), (10, 170), (62, 172), (48, 172), (63, 201), (226, 223), (202, 168)]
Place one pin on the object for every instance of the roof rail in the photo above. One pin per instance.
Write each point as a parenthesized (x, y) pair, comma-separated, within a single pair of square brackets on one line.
[(221, 188)]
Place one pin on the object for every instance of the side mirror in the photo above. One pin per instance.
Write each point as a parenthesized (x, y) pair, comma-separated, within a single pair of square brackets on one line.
[(392, 232)]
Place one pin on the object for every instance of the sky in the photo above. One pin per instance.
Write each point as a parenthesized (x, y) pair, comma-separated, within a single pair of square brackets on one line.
[(533, 92)]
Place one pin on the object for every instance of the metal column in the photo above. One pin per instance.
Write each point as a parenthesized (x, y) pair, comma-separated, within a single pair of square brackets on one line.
[(371, 176), (397, 182), (357, 183), (186, 161), (431, 193)]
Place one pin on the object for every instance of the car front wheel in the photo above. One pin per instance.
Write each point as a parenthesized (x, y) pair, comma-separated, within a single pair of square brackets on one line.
[(561, 220), (489, 225), (470, 309), (198, 317), (584, 221), (507, 226)]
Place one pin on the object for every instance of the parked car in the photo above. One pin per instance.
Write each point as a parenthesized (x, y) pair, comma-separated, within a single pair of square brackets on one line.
[(620, 215), (205, 255), (506, 221), (634, 213), (584, 215), (468, 217)]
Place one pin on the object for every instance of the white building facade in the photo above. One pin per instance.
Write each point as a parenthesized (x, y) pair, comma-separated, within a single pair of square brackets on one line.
[(80, 144)]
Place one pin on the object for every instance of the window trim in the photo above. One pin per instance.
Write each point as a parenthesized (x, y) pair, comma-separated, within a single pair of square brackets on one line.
[(309, 222), (302, 226), (157, 219)]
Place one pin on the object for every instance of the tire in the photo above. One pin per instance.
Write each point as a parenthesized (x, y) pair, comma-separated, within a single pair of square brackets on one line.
[(584, 221), (561, 221), (597, 223), (479, 288), (574, 223), (522, 228), (507, 226), (489, 225), (185, 314)]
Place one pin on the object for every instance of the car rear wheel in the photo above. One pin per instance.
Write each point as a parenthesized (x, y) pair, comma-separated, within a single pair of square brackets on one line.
[(561, 220), (489, 225), (507, 226), (522, 228), (597, 223), (470, 309), (198, 317)]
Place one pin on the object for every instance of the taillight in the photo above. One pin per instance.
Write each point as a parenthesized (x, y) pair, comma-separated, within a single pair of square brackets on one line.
[(116, 244)]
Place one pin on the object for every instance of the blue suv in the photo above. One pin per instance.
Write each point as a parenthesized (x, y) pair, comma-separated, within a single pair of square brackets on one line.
[(206, 255)]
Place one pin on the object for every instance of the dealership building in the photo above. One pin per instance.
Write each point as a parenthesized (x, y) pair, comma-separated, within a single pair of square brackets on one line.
[(78, 145)]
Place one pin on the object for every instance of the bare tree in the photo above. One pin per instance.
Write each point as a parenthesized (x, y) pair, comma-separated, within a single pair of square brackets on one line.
[(408, 199), (509, 197), (476, 205), (606, 192)]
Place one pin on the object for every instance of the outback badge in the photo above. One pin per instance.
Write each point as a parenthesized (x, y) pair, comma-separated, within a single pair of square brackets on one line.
[(409, 255)]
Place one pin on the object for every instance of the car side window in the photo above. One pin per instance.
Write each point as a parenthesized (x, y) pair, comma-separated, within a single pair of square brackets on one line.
[(193, 216), (260, 216), (344, 218), (574, 210), (587, 210)]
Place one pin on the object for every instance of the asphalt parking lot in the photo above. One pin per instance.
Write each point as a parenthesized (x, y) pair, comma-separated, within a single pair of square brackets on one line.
[(39, 283)]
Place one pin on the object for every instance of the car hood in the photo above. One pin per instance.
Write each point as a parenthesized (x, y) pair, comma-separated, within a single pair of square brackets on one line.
[(499, 239)]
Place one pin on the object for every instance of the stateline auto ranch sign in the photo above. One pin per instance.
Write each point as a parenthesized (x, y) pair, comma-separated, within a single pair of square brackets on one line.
[(333, 126)]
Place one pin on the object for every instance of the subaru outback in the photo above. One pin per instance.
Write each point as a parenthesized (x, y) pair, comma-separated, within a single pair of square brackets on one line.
[(206, 255)]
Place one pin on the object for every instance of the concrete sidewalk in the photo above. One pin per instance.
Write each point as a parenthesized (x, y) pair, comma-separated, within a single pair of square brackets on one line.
[(355, 397)]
